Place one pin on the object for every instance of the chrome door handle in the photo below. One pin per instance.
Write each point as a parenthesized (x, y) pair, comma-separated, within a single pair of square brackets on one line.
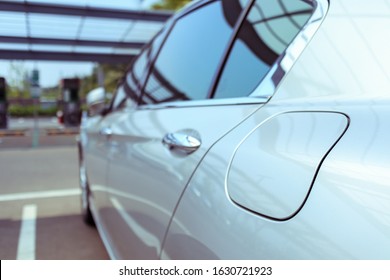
[(107, 131), (184, 141)]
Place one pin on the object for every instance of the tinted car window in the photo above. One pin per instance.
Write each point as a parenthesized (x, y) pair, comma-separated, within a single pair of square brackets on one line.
[(265, 34), (119, 100), (133, 77), (138, 69), (189, 58)]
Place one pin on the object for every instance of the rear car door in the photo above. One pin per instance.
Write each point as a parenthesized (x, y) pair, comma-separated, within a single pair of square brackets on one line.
[(252, 188), (155, 147), (190, 100)]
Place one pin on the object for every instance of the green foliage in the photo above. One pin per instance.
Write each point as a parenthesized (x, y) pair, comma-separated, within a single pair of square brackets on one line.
[(28, 111), (170, 4), (51, 93), (17, 83), (112, 74)]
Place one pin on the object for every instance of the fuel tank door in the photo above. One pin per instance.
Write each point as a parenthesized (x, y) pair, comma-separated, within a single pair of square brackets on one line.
[(273, 169)]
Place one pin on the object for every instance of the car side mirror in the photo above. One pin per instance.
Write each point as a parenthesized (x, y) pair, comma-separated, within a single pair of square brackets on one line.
[(96, 101)]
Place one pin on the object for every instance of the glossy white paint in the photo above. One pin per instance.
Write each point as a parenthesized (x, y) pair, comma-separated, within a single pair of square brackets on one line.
[(272, 169), (145, 177), (346, 68), (153, 203), (95, 162)]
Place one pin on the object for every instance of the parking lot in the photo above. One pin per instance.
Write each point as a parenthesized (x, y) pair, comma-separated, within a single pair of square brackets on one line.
[(39, 196)]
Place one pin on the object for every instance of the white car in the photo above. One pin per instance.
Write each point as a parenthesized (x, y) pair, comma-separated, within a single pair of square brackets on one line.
[(248, 129)]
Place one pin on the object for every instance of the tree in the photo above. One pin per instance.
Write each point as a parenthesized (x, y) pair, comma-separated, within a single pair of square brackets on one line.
[(18, 84), (112, 75), (170, 4)]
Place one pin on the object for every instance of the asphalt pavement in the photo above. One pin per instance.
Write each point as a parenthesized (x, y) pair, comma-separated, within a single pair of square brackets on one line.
[(39, 195), (41, 132)]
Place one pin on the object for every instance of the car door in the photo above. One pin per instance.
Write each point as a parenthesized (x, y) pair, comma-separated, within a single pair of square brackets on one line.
[(253, 184), (96, 131), (94, 164), (155, 148), (191, 99)]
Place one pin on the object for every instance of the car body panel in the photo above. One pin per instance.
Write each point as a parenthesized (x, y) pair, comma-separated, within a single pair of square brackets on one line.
[(145, 178), (348, 205), (273, 167), (345, 68), (152, 203)]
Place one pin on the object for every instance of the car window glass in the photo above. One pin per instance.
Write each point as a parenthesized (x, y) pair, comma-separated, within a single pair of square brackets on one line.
[(120, 98), (187, 62), (137, 71), (133, 76), (265, 34)]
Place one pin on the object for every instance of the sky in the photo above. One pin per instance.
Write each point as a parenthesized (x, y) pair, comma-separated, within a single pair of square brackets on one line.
[(51, 72)]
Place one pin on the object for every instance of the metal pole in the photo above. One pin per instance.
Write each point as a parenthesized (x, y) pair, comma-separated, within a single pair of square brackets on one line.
[(35, 136)]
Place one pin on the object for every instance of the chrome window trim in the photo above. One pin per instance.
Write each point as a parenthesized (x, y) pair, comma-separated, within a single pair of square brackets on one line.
[(267, 87), (207, 102)]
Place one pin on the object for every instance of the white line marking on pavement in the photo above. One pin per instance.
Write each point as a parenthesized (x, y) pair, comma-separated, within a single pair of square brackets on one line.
[(26, 245), (38, 195)]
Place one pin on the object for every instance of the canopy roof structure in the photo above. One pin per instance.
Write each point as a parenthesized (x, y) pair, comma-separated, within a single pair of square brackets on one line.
[(31, 30)]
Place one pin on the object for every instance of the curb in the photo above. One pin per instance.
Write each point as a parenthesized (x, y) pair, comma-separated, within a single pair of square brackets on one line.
[(16, 132), (58, 131)]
